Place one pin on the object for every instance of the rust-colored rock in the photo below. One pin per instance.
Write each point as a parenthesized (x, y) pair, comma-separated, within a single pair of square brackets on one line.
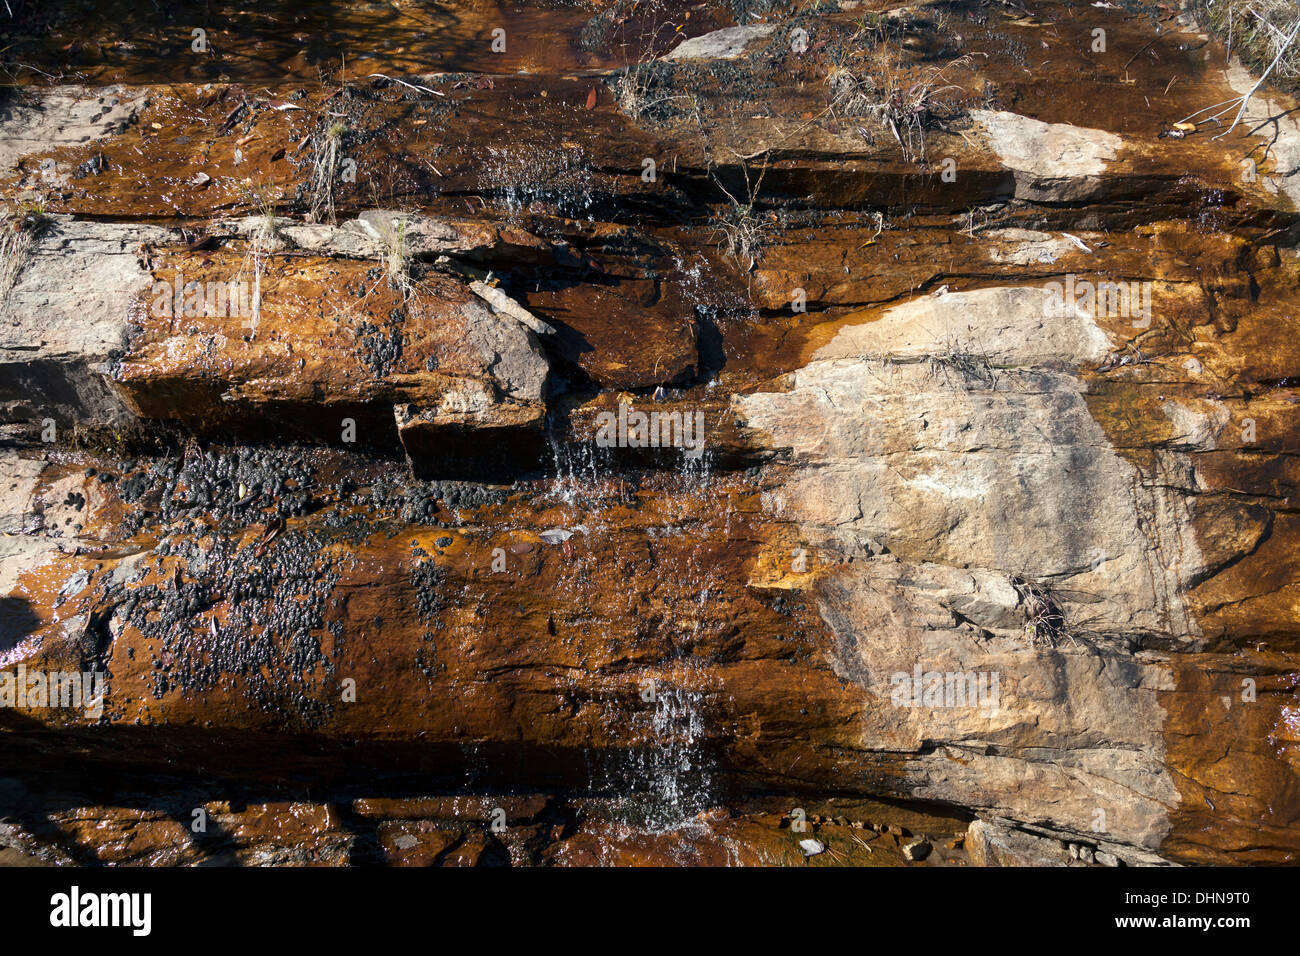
[(595, 454)]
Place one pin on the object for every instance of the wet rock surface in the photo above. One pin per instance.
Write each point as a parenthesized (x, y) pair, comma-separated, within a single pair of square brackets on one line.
[(851, 435)]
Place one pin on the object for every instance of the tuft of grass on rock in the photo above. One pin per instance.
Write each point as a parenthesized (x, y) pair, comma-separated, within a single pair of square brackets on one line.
[(1256, 31), (18, 231), (326, 146), (397, 258), (907, 108)]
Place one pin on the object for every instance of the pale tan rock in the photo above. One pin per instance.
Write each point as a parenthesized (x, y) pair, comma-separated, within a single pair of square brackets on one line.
[(1052, 162), (992, 845)]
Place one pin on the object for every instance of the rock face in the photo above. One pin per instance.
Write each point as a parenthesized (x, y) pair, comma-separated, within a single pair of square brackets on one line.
[(1052, 162), (681, 444), (66, 316), (725, 44)]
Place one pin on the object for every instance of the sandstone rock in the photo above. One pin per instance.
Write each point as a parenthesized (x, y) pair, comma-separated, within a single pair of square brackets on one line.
[(619, 341), (65, 115), (1052, 162), (327, 340), (725, 44), (67, 317), (869, 425), (1262, 109), (985, 328), (993, 844), (904, 448), (376, 233), (949, 550)]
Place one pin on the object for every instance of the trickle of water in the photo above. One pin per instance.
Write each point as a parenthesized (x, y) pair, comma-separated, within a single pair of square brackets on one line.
[(681, 784), (524, 175), (576, 466), (664, 785)]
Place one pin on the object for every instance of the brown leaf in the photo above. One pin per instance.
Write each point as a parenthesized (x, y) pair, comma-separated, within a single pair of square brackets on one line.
[(591, 99)]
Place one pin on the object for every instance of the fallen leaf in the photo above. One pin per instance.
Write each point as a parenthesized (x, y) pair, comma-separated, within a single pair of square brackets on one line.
[(591, 99)]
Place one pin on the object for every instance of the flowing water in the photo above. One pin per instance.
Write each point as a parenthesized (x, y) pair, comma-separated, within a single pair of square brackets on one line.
[(370, 554)]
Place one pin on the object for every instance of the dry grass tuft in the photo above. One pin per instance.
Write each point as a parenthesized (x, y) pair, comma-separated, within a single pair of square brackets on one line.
[(739, 225), (906, 108), (1260, 32), (326, 145), (17, 234)]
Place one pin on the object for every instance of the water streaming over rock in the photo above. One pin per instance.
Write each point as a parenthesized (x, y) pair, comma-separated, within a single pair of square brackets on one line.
[(371, 586)]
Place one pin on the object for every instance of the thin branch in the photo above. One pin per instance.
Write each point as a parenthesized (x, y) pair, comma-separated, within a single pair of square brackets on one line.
[(422, 89), (1245, 100)]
